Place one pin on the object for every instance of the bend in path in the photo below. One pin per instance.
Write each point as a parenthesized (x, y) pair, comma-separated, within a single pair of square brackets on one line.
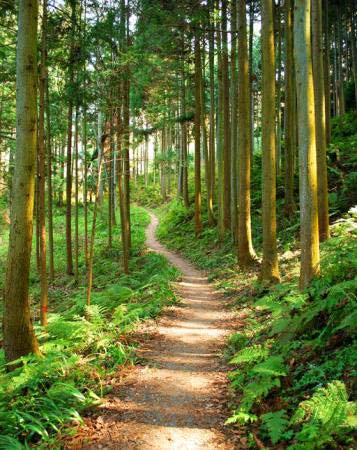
[(177, 400)]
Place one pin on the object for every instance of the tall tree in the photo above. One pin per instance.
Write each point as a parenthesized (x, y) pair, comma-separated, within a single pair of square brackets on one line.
[(226, 123), (19, 336), (270, 268), (320, 118), (310, 254), (41, 171), (290, 112), (69, 142), (246, 253), (234, 129), (198, 103)]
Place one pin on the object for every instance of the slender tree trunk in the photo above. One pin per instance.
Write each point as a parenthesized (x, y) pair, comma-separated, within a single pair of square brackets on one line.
[(246, 253), (76, 198), (211, 145), (340, 78), (94, 222), (49, 186), (234, 129), (205, 137), (354, 47), (41, 172), (270, 268), (251, 58), (184, 145), (320, 122), (226, 124), (310, 257), (219, 121), (69, 152), (278, 89), (85, 186), (290, 113), (327, 80), (19, 336), (198, 115)]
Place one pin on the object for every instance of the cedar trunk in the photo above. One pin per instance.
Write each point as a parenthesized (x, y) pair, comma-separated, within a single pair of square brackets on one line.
[(19, 337), (310, 255)]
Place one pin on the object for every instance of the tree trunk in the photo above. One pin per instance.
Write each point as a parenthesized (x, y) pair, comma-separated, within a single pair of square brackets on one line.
[(220, 140), (246, 253), (290, 113), (234, 129), (327, 80), (226, 124), (49, 186), (19, 337), (41, 172), (310, 255), (76, 198), (198, 80), (320, 122), (69, 150), (211, 142), (94, 222), (278, 88), (270, 268)]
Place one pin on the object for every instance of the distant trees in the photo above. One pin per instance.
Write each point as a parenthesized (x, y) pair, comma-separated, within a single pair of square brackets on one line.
[(185, 101)]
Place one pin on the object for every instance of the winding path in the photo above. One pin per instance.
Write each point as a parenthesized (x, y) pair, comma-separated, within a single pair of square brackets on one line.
[(176, 400)]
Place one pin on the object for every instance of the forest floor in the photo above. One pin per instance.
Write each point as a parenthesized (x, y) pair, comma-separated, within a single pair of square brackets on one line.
[(176, 398)]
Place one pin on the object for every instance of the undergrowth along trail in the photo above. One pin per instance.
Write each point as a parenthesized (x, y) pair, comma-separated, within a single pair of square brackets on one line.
[(177, 398)]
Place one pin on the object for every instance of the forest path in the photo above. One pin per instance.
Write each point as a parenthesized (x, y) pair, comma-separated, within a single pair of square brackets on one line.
[(177, 398)]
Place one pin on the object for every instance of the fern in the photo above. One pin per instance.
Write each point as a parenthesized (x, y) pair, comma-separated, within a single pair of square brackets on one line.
[(327, 411), (250, 354), (276, 424), (273, 366)]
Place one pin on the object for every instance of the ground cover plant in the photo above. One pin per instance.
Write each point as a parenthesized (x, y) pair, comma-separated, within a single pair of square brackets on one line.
[(82, 345)]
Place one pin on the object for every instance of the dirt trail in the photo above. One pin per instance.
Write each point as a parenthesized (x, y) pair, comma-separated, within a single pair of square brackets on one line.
[(176, 400)]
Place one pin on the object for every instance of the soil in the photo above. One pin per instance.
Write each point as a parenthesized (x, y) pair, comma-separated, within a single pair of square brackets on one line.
[(176, 399)]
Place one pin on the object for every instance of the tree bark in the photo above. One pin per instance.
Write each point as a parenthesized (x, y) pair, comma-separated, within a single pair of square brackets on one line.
[(19, 336), (49, 186), (234, 129), (290, 113), (246, 253), (198, 118), (320, 119), (270, 268), (226, 124), (41, 173), (310, 255)]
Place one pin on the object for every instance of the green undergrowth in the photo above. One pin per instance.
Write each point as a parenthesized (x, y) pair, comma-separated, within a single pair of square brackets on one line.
[(293, 356), (83, 345)]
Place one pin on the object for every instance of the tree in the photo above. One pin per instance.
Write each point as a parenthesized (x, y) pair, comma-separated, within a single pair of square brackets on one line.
[(270, 269), (41, 171), (290, 113), (19, 336), (246, 253), (309, 234), (198, 80), (320, 119)]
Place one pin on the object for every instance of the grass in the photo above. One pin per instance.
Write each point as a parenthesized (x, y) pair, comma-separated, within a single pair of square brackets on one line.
[(82, 346)]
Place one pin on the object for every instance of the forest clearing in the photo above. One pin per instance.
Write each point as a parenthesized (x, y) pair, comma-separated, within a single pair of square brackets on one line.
[(178, 223)]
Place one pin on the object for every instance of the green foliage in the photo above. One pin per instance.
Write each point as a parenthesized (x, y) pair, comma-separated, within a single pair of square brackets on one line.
[(276, 424), (290, 343), (82, 344), (305, 338), (325, 414)]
